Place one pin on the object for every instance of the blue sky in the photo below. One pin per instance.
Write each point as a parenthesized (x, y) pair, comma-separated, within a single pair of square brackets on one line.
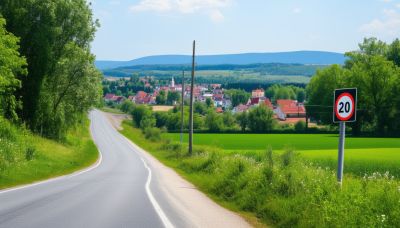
[(137, 28)]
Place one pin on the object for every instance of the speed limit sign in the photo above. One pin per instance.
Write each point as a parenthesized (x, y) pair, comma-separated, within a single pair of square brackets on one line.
[(345, 105)]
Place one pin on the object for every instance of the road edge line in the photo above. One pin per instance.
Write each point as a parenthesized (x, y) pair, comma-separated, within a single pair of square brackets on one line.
[(153, 201)]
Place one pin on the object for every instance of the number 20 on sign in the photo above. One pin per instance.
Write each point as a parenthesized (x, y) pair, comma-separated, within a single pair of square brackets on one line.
[(344, 110)]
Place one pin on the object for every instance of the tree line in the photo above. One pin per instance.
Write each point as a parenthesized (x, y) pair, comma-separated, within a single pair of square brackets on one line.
[(374, 70), (258, 119), (47, 76)]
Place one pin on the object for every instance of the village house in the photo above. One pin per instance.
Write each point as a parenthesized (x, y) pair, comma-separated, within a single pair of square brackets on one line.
[(287, 109), (258, 93), (240, 108), (110, 97)]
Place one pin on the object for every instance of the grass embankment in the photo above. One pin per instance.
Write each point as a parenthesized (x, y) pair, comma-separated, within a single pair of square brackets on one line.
[(281, 189), (26, 158), (362, 155)]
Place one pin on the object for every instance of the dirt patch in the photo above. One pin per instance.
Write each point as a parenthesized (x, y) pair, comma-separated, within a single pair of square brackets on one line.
[(116, 119), (162, 108)]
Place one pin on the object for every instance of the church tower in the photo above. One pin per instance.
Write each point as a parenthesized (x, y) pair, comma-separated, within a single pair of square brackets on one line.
[(172, 83)]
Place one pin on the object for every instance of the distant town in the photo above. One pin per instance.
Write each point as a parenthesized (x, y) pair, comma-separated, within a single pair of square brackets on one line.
[(286, 111)]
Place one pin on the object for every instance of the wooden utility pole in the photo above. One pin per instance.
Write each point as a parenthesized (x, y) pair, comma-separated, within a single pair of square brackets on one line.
[(191, 103), (182, 103)]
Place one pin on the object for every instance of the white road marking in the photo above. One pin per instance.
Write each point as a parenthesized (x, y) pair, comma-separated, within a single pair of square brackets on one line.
[(153, 201)]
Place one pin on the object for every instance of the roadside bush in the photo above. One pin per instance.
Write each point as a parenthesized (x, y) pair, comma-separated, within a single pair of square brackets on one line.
[(127, 106), (300, 126), (147, 122), (30, 153), (153, 134), (260, 119), (139, 113)]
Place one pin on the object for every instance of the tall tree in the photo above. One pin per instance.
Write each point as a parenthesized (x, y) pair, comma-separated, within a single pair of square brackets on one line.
[(238, 96), (49, 29), (260, 119), (320, 90), (12, 68)]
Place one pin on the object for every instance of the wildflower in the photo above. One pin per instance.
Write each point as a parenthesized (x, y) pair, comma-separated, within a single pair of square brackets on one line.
[(383, 218)]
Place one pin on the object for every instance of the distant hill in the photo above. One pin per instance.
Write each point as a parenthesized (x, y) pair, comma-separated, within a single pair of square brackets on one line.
[(296, 57)]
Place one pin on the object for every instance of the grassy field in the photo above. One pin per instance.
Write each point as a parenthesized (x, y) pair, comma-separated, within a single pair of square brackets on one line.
[(280, 188), (280, 141), (26, 158), (362, 155)]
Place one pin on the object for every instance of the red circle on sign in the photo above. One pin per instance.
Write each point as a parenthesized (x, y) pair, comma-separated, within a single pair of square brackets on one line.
[(336, 104)]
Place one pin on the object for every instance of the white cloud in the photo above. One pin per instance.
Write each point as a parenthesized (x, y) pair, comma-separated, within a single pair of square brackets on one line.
[(210, 7), (216, 16), (297, 10), (386, 27), (153, 5)]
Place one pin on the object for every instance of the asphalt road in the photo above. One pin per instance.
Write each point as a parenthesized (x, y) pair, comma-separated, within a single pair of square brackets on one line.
[(123, 189)]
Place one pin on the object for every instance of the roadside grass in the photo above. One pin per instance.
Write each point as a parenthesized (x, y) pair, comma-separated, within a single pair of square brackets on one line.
[(111, 110), (280, 188), (35, 158), (363, 156)]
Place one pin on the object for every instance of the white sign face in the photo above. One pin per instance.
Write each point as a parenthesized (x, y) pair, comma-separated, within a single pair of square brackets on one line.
[(345, 106)]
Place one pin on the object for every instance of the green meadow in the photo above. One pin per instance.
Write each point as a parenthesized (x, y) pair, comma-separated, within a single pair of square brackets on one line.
[(281, 141), (362, 155)]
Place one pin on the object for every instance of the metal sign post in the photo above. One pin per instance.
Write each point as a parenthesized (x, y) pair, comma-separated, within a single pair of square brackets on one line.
[(342, 135), (344, 110)]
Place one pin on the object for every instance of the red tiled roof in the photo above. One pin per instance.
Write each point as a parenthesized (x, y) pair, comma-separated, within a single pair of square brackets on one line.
[(109, 96), (141, 94), (219, 110), (268, 103), (290, 107)]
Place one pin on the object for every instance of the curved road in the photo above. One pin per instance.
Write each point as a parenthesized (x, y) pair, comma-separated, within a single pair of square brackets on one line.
[(126, 188)]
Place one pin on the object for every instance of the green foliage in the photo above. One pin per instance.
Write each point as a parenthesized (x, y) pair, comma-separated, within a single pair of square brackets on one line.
[(320, 92), (214, 121), (152, 133), (300, 126), (200, 108), (209, 103), (12, 69), (139, 113), (238, 96), (173, 97), (127, 106), (62, 82), (147, 122), (260, 119), (242, 120), (161, 99), (161, 119), (374, 71), (229, 119), (277, 91)]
